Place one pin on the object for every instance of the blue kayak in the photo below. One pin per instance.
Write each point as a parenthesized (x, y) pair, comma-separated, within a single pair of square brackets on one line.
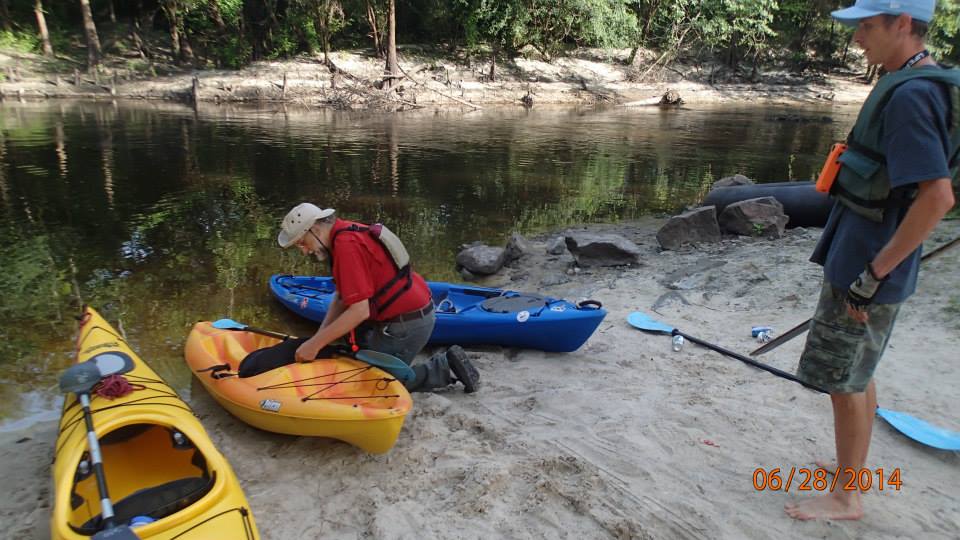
[(469, 315)]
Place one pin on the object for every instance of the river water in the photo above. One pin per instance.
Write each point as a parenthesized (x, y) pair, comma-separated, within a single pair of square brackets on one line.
[(160, 216)]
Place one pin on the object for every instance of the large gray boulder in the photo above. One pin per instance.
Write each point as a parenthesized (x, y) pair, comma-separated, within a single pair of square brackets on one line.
[(762, 216), (516, 248), (697, 226), (557, 246), (735, 180), (481, 259), (593, 249)]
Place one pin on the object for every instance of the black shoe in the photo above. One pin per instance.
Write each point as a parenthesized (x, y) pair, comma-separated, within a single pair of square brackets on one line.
[(462, 369)]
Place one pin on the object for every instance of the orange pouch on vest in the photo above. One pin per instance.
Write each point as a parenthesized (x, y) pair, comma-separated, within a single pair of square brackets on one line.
[(831, 167)]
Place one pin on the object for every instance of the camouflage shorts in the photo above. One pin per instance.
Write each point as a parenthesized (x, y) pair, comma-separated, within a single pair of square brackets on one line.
[(841, 353)]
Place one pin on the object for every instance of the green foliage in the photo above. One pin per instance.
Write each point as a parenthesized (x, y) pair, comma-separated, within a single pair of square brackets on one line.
[(32, 285), (232, 33), (738, 27), (944, 35), (19, 41), (549, 25)]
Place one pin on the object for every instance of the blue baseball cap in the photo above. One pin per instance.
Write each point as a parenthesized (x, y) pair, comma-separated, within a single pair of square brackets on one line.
[(920, 10)]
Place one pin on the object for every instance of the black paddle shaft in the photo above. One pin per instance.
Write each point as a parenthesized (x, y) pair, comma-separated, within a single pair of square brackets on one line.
[(747, 360), (97, 459)]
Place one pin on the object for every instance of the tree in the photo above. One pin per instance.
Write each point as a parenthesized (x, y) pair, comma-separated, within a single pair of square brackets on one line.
[(326, 17), (5, 14), (393, 70), (93, 41), (944, 36), (42, 25), (175, 10)]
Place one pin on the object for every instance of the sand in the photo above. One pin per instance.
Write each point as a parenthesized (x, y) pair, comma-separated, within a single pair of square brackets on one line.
[(623, 438)]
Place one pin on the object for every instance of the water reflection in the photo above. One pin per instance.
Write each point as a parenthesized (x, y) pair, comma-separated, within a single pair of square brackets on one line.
[(159, 215)]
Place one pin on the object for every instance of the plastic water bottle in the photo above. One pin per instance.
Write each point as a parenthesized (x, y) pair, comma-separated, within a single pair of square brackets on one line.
[(761, 333), (138, 521), (677, 343)]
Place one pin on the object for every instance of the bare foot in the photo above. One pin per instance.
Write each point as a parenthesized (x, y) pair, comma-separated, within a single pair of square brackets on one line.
[(829, 466), (825, 507)]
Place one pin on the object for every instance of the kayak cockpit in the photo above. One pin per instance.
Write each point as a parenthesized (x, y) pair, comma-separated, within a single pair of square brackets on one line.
[(152, 471)]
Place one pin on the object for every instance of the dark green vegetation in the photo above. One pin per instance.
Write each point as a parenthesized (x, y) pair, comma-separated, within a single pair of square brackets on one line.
[(744, 35)]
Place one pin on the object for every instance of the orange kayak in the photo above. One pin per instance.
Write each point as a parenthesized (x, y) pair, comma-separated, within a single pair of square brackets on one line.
[(340, 398)]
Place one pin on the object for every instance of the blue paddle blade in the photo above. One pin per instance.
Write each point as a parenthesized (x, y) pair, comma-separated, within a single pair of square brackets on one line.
[(228, 324), (921, 431), (644, 322), (387, 362)]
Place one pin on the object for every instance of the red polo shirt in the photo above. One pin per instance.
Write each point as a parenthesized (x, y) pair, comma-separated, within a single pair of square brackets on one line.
[(362, 266)]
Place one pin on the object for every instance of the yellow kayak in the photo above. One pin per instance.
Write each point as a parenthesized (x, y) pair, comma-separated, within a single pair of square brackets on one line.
[(163, 473), (340, 398)]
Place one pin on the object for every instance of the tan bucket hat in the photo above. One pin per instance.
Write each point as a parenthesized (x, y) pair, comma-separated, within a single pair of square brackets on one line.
[(298, 221)]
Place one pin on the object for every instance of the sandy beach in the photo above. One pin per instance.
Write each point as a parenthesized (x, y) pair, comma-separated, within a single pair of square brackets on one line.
[(623, 438)]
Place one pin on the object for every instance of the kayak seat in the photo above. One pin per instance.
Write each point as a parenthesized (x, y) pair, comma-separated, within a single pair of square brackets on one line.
[(157, 501), (514, 303)]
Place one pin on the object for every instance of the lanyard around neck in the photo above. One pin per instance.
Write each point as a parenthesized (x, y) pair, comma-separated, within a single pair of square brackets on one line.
[(915, 58)]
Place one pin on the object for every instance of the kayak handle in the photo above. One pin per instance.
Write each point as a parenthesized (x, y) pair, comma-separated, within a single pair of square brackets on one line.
[(585, 303)]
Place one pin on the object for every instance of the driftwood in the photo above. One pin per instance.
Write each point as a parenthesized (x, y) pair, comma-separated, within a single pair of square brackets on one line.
[(418, 83)]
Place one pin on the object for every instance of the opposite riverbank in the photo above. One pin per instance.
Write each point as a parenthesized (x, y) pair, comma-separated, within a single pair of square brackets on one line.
[(587, 77)]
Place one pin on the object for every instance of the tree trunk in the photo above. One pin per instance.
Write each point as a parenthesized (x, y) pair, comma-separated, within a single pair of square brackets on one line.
[(650, 16), (375, 30), (493, 63), (145, 16), (93, 41), (392, 69), (5, 13), (173, 21), (175, 42), (111, 11), (186, 51), (217, 17), (137, 40), (42, 25)]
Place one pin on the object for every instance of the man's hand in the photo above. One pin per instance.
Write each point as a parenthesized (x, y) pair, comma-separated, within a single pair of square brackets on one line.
[(308, 351), (861, 293)]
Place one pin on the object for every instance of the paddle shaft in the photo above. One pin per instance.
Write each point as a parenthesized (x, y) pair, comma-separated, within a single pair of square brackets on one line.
[(106, 506), (805, 325), (754, 363), (269, 333)]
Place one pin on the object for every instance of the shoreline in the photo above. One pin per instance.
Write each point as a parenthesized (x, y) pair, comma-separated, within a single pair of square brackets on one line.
[(428, 83), (623, 438)]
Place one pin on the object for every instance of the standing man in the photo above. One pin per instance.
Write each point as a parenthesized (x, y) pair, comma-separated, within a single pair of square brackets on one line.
[(380, 302), (892, 189)]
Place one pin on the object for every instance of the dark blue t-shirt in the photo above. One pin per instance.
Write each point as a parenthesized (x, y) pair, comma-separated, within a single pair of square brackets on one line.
[(916, 143)]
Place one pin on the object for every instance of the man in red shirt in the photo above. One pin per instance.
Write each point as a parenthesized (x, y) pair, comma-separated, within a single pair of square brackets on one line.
[(379, 297)]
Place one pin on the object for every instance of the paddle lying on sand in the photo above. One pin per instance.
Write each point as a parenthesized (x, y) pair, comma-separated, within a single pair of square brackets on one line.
[(80, 379), (914, 428), (647, 324), (387, 362), (921, 431)]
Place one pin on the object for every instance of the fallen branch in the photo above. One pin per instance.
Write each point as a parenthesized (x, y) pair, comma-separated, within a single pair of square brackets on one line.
[(414, 81)]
